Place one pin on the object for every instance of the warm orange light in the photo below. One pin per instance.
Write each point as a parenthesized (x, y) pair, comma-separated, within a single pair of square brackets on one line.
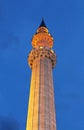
[(42, 59), (45, 39), (52, 51), (40, 47)]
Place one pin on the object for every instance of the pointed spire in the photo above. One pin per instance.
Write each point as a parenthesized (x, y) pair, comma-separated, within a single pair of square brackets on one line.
[(42, 23)]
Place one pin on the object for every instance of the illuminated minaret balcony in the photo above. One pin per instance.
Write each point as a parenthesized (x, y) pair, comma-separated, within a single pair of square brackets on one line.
[(41, 107), (42, 38)]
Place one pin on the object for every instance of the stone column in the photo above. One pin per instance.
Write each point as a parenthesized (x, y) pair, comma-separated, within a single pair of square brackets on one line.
[(41, 109)]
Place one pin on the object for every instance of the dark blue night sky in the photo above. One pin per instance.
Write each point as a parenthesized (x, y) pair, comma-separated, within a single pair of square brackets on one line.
[(19, 20)]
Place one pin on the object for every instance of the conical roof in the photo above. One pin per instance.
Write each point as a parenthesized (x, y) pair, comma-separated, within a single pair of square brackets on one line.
[(43, 23)]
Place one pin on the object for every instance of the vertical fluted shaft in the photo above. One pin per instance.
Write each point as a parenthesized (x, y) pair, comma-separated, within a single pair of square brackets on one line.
[(41, 108)]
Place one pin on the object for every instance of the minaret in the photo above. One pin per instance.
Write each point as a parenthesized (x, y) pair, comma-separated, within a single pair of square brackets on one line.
[(42, 59)]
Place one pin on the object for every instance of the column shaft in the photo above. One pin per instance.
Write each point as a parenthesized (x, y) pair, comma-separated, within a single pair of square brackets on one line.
[(41, 109)]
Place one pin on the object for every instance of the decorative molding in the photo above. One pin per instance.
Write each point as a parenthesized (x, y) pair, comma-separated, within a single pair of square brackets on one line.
[(42, 53)]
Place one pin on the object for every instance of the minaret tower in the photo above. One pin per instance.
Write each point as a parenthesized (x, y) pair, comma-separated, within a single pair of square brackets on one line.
[(42, 59)]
